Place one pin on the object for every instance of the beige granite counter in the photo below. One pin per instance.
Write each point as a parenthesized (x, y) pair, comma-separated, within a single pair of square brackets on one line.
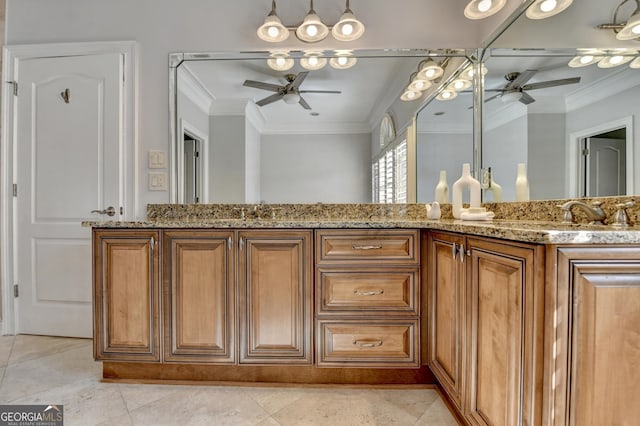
[(535, 221)]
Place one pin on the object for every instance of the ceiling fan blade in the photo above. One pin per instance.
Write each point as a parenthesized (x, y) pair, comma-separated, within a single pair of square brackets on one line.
[(304, 103), (261, 85), (269, 99), (521, 79), (319, 91), (551, 83), (493, 97), (299, 79), (526, 98)]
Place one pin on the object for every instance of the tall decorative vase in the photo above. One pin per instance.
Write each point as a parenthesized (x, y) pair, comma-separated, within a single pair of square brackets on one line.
[(465, 181), (522, 183), (442, 188)]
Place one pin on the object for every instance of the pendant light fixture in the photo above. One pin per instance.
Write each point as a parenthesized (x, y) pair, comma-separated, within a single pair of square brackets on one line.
[(348, 27), (585, 58), (272, 30), (411, 95), (459, 84), (418, 84), (430, 70), (447, 95), (479, 9), (541, 9), (343, 59), (280, 60), (313, 60), (312, 28), (631, 29), (615, 60)]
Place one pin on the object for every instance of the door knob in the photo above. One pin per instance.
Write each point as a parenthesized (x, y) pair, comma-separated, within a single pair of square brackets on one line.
[(109, 211)]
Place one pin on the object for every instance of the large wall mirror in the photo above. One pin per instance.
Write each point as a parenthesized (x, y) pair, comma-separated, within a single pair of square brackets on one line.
[(575, 127), (237, 137)]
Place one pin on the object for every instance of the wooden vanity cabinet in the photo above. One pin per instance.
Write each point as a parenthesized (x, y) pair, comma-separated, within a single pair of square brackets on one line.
[(368, 298), (485, 332), (593, 360), (199, 296), (126, 295), (275, 296)]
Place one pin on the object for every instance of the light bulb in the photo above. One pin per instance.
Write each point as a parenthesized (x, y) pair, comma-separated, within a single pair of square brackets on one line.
[(458, 85), (636, 29), (273, 32), (616, 59), (342, 60), (347, 29), (430, 72), (312, 30), (484, 5), (586, 59), (446, 95), (280, 61), (548, 5), (419, 84)]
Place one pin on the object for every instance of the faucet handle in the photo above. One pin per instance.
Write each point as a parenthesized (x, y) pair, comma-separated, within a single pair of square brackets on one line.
[(620, 217), (567, 217)]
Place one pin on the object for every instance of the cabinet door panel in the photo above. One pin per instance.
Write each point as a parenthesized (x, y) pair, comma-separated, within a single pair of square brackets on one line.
[(127, 299), (199, 296), (446, 291), (276, 296)]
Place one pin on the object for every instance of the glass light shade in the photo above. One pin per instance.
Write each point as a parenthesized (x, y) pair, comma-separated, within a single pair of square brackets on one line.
[(312, 29), (467, 74), (344, 59), (479, 9), (447, 95), (459, 84), (545, 8), (348, 27), (419, 84), (635, 64), (291, 98), (280, 61), (272, 30), (313, 61), (632, 28), (430, 70), (614, 61), (584, 60), (411, 95)]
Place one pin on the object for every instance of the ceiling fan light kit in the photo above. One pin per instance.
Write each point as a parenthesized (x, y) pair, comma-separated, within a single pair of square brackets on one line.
[(312, 29)]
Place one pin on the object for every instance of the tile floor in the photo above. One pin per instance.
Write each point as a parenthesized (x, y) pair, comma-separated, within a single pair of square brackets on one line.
[(54, 370)]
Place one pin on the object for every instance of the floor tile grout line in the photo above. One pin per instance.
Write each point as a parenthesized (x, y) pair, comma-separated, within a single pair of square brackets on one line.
[(43, 355)]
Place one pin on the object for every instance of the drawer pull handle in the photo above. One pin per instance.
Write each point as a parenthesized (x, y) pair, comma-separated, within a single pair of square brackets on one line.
[(368, 292), (367, 343), (366, 247)]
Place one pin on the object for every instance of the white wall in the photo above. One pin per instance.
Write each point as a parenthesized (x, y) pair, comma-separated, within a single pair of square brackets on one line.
[(164, 26), (546, 152), (441, 151), (252, 163), (227, 159), (327, 168)]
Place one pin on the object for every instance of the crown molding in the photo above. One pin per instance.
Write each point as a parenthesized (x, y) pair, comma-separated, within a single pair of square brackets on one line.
[(255, 116), (194, 90), (609, 85), (335, 128)]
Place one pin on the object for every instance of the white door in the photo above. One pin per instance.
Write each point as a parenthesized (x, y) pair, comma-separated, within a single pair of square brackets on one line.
[(68, 127), (605, 167)]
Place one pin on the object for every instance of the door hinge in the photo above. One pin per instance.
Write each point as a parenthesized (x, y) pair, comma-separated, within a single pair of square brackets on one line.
[(585, 152), (15, 290), (15, 189)]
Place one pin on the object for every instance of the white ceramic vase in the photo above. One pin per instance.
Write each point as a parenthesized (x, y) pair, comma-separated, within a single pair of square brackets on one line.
[(465, 181), (522, 183)]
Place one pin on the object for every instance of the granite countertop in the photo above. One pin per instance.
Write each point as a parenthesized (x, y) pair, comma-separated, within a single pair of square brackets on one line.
[(533, 221), (524, 230)]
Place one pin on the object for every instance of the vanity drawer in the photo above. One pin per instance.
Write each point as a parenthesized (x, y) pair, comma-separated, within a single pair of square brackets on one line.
[(392, 291), (356, 343), (375, 246)]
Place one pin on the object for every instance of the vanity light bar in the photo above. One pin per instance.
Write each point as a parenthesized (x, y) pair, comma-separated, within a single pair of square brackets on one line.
[(281, 60), (606, 58)]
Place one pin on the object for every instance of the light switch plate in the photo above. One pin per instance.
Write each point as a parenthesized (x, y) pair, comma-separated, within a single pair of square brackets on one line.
[(157, 181), (157, 159)]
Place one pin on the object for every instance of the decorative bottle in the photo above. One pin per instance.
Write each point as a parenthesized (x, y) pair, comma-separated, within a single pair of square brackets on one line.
[(493, 187), (465, 181), (442, 188), (522, 183)]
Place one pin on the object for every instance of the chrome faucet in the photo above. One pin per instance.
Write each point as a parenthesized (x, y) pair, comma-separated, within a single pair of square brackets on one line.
[(593, 211)]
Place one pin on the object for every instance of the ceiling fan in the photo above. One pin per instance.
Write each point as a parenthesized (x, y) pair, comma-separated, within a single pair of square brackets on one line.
[(515, 89), (290, 92)]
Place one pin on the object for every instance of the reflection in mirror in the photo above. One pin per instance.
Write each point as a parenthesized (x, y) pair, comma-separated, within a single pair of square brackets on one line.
[(572, 126), (284, 136), (444, 139)]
